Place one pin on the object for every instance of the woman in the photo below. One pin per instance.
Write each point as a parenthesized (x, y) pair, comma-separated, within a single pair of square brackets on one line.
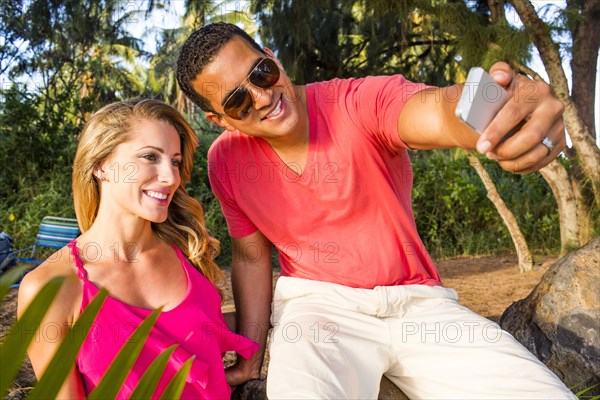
[(143, 240)]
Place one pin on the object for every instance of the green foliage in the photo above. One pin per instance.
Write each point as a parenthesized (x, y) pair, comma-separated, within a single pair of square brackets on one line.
[(151, 377), (64, 359), (175, 387), (583, 393), (342, 38), (455, 218), (20, 335), (10, 277), (434, 42), (72, 57), (14, 347), (22, 211), (200, 189), (114, 377), (30, 149)]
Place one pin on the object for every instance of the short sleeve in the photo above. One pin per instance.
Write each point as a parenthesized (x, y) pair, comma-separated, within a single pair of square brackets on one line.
[(238, 223), (376, 103)]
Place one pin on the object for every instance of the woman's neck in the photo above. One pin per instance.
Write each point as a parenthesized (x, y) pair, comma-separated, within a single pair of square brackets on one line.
[(118, 238)]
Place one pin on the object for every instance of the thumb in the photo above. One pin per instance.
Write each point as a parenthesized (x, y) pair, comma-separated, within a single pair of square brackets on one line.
[(502, 73)]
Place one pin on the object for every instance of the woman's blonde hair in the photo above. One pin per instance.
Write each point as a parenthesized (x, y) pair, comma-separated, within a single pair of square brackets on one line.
[(111, 126)]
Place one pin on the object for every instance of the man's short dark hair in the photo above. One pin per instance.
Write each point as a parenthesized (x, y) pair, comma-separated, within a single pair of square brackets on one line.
[(199, 50)]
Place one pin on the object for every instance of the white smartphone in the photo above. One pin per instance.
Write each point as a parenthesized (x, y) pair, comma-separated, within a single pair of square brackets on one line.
[(481, 99)]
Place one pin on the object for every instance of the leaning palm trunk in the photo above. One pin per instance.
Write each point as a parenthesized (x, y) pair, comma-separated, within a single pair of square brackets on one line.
[(523, 253)]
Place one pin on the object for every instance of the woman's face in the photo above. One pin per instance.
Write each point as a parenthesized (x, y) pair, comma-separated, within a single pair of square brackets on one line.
[(142, 174)]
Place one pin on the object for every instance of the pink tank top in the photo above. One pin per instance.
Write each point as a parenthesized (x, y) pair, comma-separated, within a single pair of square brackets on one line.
[(196, 325)]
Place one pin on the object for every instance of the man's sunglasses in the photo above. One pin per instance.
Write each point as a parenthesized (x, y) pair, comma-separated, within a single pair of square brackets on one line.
[(264, 75)]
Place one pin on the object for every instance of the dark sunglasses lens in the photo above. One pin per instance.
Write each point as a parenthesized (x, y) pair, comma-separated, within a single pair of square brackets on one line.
[(238, 104), (266, 74)]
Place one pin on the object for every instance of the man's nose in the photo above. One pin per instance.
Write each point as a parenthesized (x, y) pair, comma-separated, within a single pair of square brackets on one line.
[(260, 97)]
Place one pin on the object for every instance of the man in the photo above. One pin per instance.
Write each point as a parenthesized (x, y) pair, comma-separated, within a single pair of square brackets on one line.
[(321, 171)]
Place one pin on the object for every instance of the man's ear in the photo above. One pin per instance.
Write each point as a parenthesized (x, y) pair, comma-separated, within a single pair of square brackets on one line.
[(218, 120), (272, 55)]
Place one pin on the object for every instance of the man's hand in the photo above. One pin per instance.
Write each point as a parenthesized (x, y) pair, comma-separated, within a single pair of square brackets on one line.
[(540, 113), (236, 375)]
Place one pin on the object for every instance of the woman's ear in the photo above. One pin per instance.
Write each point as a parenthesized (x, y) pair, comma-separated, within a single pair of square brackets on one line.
[(218, 120), (102, 170), (99, 173)]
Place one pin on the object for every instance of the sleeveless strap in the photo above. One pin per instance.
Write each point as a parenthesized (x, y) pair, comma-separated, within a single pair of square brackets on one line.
[(81, 272)]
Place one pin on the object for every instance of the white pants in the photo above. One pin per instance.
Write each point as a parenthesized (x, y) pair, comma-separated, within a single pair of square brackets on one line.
[(334, 342)]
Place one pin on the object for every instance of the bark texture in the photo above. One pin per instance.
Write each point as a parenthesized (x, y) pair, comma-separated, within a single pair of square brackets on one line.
[(557, 177), (585, 145), (586, 41), (523, 253)]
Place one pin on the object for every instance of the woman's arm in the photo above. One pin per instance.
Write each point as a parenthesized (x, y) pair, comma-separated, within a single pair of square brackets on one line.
[(56, 323)]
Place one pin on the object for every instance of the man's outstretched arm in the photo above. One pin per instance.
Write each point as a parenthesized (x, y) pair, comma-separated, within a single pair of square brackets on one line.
[(427, 121), (252, 283)]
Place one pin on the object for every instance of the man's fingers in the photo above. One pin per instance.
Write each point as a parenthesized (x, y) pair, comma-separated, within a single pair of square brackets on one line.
[(517, 109), (539, 155), (539, 113), (542, 122)]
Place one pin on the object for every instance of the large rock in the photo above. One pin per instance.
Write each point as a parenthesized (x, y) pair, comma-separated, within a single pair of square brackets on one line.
[(559, 321)]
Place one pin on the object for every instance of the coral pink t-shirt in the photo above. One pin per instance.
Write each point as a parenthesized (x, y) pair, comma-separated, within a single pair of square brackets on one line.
[(346, 217)]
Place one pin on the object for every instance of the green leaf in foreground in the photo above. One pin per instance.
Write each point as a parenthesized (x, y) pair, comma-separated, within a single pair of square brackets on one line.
[(148, 382), (584, 391), (64, 359), (114, 377), (175, 387), (14, 347), (10, 277)]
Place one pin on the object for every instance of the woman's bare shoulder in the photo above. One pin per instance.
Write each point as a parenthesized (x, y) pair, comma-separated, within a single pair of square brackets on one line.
[(59, 264)]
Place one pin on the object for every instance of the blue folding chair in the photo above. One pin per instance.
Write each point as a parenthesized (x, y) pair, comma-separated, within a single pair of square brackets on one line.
[(54, 232)]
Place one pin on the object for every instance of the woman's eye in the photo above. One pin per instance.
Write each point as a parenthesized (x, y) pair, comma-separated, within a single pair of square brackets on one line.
[(150, 157), (177, 163)]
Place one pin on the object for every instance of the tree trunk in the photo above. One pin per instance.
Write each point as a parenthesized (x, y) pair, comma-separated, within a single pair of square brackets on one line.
[(180, 101), (497, 11), (586, 229), (586, 41), (523, 253), (583, 142), (571, 215), (558, 179)]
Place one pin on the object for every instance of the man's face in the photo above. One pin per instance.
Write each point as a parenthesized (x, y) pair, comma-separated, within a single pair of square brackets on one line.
[(274, 111)]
